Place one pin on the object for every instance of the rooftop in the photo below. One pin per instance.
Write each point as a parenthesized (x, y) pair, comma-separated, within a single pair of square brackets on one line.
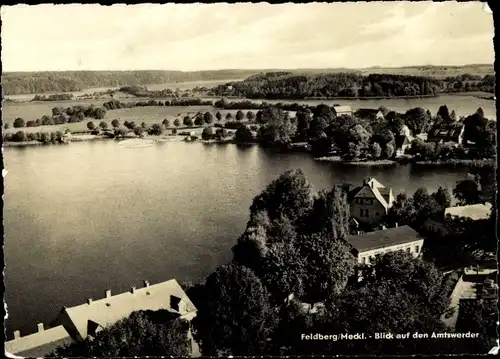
[(109, 310), (38, 344), (383, 238), (342, 108), (473, 211)]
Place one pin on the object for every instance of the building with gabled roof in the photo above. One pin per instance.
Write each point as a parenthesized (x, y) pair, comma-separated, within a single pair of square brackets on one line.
[(451, 133), (366, 246), (38, 344), (88, 319), (370, 203), (342, 110)]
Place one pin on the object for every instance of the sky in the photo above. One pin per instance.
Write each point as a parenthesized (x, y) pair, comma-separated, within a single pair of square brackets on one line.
[(190, 37)]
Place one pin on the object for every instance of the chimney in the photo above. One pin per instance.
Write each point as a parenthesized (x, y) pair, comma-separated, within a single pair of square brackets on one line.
[(40, 327), (132, 290), (108, 293), (146, 284), (17, 334), (89, 301)]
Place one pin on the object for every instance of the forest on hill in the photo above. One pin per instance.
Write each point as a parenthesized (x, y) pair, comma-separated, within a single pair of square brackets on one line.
[(287, 85), (14, 83)]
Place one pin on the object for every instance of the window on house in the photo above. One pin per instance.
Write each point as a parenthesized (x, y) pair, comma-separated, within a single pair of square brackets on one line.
[(363, 212), (371, 202), (416, 249), (408, 249), (363, 260)]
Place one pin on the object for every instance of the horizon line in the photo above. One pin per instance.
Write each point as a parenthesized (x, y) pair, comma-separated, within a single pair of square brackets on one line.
[(257, 69)]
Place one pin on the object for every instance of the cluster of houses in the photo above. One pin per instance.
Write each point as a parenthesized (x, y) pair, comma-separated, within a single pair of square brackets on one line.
[(77, 323), (445, 133)]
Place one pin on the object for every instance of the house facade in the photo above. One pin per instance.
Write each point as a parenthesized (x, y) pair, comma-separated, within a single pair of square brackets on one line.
[(370, 203), (366, 247)]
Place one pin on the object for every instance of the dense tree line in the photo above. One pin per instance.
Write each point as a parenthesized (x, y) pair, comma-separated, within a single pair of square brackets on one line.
[(14, 83), (43, 137), (54, 97), (62, 115), (287, 85)]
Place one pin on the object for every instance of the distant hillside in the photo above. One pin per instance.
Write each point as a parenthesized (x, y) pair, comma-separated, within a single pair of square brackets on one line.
[(14, 83), (287, 85)]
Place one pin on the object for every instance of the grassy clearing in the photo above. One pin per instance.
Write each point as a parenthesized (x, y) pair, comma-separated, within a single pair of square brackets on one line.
[(147, 114)]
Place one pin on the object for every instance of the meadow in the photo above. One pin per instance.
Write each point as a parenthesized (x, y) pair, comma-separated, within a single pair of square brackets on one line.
[(148, 114)]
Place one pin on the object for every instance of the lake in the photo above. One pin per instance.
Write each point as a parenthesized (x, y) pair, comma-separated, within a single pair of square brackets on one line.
[(91, 216)]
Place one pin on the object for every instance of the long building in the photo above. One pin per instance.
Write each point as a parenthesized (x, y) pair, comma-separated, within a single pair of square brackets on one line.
[(79, 322), (365, 247)]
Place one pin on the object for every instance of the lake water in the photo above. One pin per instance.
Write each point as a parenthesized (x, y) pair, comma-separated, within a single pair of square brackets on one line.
[(91, 216)]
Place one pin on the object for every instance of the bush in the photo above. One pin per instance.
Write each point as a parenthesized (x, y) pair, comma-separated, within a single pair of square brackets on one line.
[(103, 125), (19, 136), (19, 122), (6, 126)]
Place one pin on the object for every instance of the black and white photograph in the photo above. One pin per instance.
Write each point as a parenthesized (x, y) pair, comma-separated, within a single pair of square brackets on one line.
[(249, 179)]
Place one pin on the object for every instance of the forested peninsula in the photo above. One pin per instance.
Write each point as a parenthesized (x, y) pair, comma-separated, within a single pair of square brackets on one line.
[(324, 80)]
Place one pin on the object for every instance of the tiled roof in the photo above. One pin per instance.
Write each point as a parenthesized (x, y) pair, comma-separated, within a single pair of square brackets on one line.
[(473, 211), (378, 192), (107, 311), (38, 344), (383, 238)]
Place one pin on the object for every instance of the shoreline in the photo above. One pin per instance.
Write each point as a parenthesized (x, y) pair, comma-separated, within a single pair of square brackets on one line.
[(331, 159), (476, 94), (338, 159)]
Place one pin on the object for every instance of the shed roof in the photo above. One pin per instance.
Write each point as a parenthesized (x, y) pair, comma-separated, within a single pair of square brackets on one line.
[(107, 311), (38, 344), (383, 238)]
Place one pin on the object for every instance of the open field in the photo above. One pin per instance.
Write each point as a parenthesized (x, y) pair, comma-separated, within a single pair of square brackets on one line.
[(148, 114)]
